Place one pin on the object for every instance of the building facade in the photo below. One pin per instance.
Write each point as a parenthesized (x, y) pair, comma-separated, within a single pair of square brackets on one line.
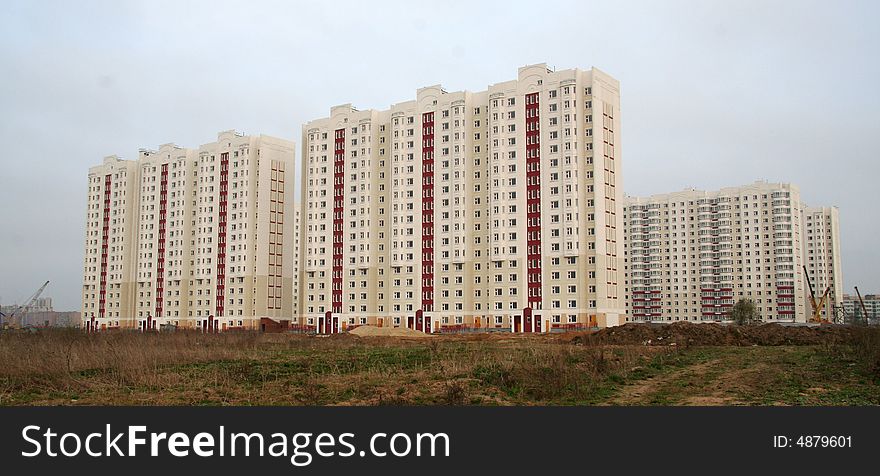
[(109, 287), (853, 308), (199, 238), (822, 256), (495, 209), (297, 289), (691, 255)]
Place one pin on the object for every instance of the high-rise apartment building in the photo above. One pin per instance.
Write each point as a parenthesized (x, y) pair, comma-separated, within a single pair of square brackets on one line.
[(691, 255), (495, 209), (110, 254), (200, 238), (822, 256)]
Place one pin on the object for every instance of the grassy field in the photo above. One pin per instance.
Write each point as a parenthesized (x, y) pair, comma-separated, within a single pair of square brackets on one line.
[(72, 368)]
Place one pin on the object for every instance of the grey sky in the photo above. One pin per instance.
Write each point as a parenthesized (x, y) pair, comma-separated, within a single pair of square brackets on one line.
[(713, 94)]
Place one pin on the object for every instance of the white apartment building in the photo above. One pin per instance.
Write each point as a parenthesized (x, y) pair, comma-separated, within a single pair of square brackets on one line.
[(852, 308), (822, 256), (496, 209), (200, 238), (691, 255), (110, 254)]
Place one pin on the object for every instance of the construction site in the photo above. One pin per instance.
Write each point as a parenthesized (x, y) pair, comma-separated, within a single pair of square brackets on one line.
[(37, 312)]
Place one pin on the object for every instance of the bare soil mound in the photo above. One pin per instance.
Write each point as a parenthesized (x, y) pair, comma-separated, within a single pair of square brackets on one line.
[(365, 331), (687, 333)]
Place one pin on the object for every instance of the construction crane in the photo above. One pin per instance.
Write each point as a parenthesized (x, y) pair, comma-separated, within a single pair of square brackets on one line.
[(817, 306), (862, 303), (14, 318)]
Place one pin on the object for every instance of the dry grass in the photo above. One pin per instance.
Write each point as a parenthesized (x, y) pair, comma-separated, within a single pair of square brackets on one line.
[(67, 360), (63, 367), (58, 367), (866, 350)]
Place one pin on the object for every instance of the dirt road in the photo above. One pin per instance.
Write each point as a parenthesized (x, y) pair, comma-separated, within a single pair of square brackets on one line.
[(744, 376)]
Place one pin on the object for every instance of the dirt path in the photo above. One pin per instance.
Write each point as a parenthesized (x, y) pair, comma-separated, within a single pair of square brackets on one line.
[(667, 388), (727, 379)]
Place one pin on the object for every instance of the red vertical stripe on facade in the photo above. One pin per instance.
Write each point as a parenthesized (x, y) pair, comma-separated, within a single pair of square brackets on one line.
[(160, 260), (105, 236), (338, 217), (220, 302), (533, 199), (428, 212)]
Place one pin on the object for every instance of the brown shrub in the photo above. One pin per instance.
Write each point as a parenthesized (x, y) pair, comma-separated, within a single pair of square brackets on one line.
[(455, 394)]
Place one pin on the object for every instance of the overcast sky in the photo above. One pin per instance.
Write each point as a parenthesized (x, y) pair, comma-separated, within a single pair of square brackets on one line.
[(713, 94)]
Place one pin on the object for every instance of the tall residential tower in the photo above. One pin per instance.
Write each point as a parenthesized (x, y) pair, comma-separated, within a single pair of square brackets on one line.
[(200, 238), (822, 256), (501, 208), (691, 255)]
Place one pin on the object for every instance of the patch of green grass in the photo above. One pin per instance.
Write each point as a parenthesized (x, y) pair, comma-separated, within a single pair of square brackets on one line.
[(806, 375)]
